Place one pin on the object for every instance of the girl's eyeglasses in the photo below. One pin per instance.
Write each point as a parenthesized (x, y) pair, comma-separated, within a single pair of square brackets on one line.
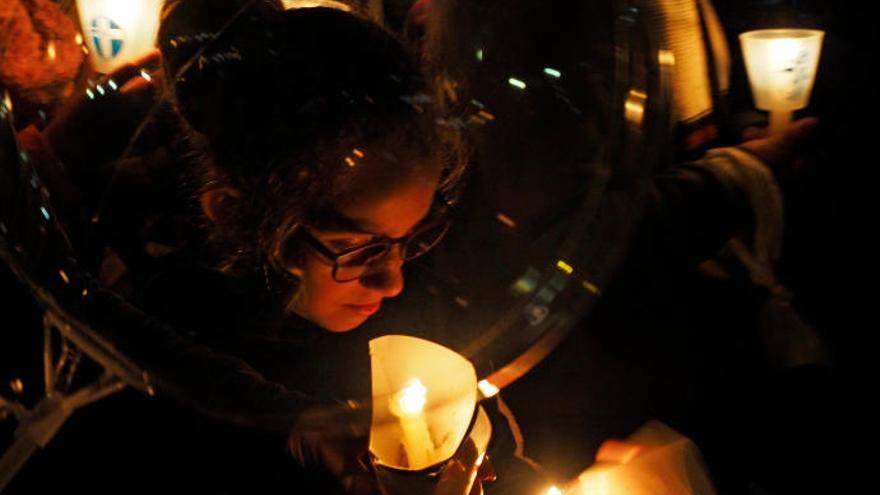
[(353, 263)]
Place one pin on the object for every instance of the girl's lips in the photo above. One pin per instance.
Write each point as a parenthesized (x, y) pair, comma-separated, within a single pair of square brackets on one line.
[(365, 309)]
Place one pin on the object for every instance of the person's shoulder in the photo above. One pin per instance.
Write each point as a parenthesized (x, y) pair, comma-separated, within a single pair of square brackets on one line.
[(194, 297)]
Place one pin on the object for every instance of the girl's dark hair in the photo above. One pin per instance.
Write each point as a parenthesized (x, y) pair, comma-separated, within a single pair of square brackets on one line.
[(276, 102)]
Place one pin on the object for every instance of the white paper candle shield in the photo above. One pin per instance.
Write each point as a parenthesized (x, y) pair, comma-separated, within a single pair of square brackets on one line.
[(117, 31), (781, 65), (424, 397)]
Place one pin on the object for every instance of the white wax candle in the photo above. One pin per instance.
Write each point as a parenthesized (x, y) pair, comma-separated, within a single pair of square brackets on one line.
[(408, 406)]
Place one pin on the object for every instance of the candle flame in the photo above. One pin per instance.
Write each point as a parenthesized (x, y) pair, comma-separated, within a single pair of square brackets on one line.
[(412, 398), (554, 491)]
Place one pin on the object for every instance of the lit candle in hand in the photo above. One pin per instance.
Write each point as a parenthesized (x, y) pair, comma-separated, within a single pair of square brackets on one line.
[(408, 406), (781, 65)]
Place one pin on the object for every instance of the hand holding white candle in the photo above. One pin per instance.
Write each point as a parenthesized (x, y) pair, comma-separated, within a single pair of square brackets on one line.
[(781, 64)]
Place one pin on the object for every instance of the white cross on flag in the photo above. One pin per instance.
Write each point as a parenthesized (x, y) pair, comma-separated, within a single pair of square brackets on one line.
[(107, 37)]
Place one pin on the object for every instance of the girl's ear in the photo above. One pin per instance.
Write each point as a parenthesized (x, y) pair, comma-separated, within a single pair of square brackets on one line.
[(218, 202)]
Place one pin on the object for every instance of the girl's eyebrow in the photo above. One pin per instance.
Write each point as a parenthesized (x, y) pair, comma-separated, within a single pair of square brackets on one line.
[(333, 221)]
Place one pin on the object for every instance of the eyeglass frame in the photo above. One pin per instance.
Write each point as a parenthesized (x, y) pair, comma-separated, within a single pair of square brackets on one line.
[(303, 234)]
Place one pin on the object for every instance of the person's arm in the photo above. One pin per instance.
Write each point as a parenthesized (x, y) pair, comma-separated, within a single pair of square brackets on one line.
[(696, 207), (691, 213)]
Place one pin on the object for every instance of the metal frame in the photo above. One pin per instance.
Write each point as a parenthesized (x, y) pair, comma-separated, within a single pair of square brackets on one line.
[(37, 426)]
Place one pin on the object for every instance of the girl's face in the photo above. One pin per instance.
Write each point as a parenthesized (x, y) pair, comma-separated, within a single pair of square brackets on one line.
[(393, 213)]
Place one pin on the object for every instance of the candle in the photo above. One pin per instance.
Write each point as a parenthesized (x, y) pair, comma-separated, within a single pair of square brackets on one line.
[(408, 406), (781, 65), (118, 31), (424, 398)]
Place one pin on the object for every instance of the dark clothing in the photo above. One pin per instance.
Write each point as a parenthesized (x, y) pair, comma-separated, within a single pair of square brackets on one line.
[(233, 375)]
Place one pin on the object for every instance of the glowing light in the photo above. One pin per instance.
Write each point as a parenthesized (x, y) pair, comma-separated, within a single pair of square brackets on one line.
[(7, 101), (17, 385), (64, 276), (666, 57), (461, 301), (85, 292), (565, 267), (487, 389), (552, 72), (78, 39), (112, 84), (634, 107), (118, 31), (349, 161), (408, 405), (424, 397), (781, 66), (527, 282), (50, 50), (45, 212), (358, 153), (413, 397), (516, 83), (100, 89), (480, 54), (553, 491), (486, 115), (591, 288), (506, 220), (90, 94), (146, 75)]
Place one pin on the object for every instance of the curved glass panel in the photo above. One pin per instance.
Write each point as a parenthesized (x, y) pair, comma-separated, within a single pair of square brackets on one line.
[(550, 119)]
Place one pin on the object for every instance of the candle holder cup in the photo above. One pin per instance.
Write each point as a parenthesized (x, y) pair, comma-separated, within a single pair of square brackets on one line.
[(781, 66)]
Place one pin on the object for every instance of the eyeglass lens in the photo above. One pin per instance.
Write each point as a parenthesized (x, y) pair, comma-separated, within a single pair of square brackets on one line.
[(355, 264)]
